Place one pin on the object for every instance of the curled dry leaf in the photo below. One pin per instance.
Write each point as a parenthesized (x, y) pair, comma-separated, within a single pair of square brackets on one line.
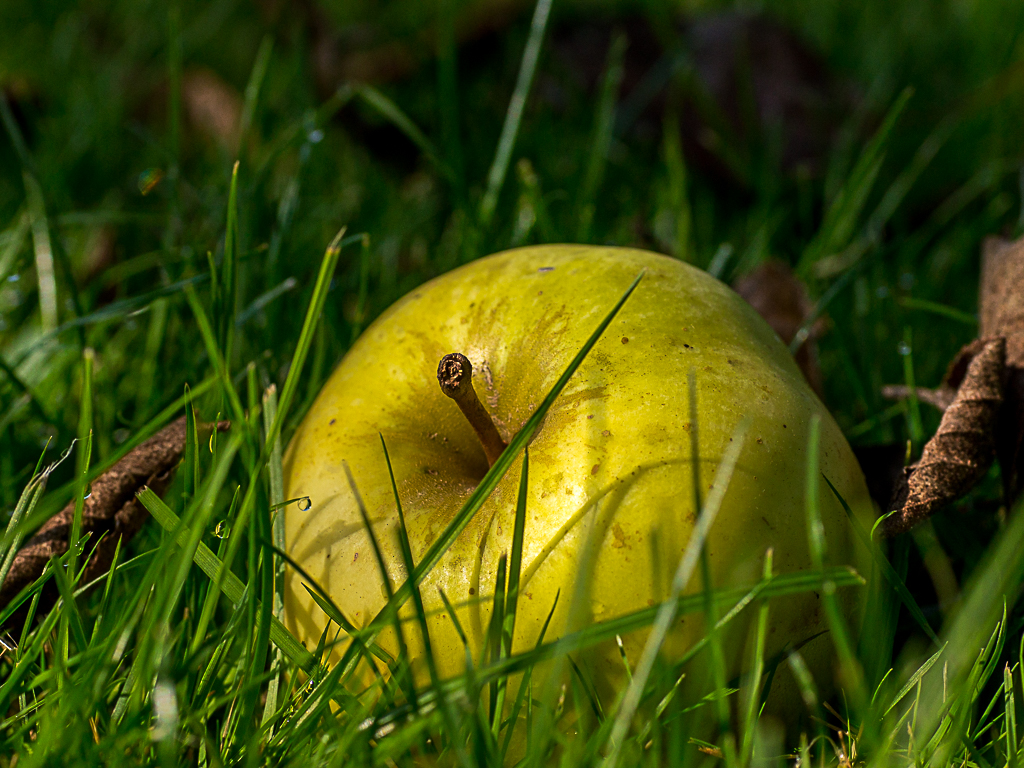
[(985, 417), (778, 295), (111, 511), (963, 447), (1002, 314)]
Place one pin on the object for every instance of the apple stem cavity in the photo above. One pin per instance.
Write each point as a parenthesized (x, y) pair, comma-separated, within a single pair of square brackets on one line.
[(455, 375)]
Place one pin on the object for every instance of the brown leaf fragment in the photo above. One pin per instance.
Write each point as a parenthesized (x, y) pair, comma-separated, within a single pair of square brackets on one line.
[(779, 296), (110, 512), (1001, 306), (962, 449)]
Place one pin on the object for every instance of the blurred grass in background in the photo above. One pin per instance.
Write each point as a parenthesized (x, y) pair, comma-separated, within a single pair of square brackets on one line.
[(872, 145)]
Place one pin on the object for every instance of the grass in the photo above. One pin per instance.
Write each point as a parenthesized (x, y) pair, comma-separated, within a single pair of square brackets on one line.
[(149, 267)]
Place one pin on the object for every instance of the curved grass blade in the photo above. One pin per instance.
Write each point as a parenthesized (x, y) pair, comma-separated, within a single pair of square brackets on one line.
[(231, 585), (514, 114), (667, 611), (501, 466), (886, 568)]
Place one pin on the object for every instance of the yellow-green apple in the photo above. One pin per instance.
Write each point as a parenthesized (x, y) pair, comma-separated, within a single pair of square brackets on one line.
[(610, 467)]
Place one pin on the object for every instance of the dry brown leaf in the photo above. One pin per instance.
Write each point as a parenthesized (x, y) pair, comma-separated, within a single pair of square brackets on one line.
[(985, 420), (778, 295), (111, 511), (1002, 314), (963, 447)]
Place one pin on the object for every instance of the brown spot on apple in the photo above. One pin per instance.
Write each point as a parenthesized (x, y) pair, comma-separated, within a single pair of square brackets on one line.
[(594, 469), (625, 340)]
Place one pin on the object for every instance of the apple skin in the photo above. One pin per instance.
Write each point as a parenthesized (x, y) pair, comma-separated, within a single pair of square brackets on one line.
[(610, 474)]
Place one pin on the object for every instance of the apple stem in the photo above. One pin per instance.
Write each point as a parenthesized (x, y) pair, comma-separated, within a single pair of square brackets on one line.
[(455, 375)]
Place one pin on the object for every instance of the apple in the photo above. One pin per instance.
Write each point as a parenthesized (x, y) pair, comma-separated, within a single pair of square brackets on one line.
[(610, 470)]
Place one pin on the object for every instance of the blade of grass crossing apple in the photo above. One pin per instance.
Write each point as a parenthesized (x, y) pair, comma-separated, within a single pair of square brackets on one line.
[(736, 600), (275, 476), (752, 695), (600, 143), (525, 685), (489, 482), (710, 612), (228, 582), (514, 114), (402, 669), (492, 648), (668, 610), (852, 674), (515, 565), (894, 579), (502, 465), (448, 715)]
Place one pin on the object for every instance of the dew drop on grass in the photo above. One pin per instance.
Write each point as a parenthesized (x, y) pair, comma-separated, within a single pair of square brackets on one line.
[(903, 348), (304, 504)]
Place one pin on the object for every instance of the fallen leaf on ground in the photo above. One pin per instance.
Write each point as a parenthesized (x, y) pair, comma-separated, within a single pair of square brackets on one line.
[(110, 511), (984, 419)]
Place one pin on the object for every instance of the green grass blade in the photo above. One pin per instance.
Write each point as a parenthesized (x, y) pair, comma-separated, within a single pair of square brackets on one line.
[(514, 114), (897, 583), (394, 114), (275, 473), (750, 712), (230, 584), (852, 674), (668, 610), (252, 88), (843, 214), (597, 156), (83, 457), (504, 462), (1010, 721)]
